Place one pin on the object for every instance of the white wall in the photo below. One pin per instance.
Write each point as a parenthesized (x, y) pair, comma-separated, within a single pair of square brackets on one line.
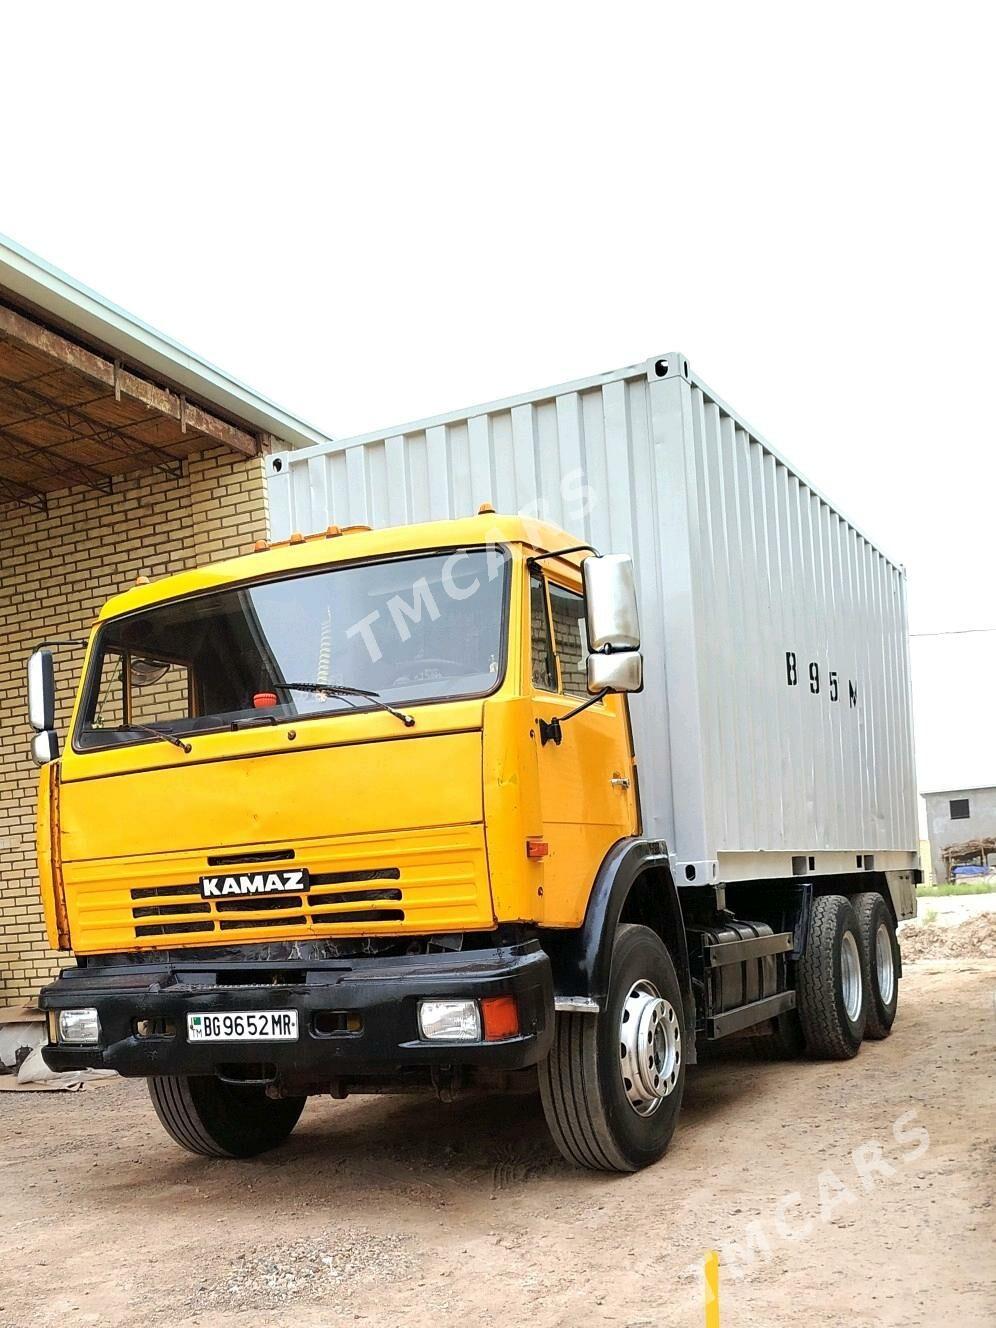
[(943, 831)]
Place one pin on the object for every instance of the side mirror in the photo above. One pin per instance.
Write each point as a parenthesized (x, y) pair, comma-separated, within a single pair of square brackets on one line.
[(619, 672), (41, 691), (613, 621)]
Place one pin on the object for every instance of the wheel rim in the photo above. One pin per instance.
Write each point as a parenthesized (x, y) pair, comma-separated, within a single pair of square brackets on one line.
[(649, 1047), (850, 976), (885, 969)]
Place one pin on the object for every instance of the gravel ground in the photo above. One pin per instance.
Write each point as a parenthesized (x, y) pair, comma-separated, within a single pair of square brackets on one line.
[(325, 1265), (828, 1202)]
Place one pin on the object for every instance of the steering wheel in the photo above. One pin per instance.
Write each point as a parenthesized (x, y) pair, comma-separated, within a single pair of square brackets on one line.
[(431, 662)]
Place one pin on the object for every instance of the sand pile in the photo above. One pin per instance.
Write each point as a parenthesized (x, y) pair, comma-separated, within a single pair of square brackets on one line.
[(974, 939)]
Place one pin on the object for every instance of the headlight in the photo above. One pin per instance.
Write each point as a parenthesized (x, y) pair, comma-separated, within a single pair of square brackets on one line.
[(449, 1021), (81, 1026)]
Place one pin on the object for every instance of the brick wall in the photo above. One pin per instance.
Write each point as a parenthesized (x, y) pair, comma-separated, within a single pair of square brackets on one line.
[(56, 570)]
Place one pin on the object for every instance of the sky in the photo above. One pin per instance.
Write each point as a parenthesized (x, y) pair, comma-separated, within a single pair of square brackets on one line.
[(372, 213)]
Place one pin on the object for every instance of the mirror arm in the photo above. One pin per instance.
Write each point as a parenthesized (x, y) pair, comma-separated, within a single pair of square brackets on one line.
[(551, 731), (561, 553), (44, 645)]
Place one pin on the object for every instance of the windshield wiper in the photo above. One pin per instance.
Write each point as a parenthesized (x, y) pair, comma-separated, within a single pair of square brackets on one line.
[(332, 689), (159, 733)]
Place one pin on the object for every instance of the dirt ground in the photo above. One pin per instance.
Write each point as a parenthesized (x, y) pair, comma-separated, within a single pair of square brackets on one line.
[(390, 1211)]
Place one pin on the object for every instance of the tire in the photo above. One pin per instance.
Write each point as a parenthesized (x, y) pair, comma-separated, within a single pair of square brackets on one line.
[(831, 990), (880, 955), (785, 1043), (215, 1119), (600, 1116)]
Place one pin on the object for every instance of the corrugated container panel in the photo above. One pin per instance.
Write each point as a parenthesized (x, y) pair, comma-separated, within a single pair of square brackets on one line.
[(745, 574)]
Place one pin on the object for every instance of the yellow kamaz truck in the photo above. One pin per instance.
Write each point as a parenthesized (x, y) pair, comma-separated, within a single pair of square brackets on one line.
[(472, 802)]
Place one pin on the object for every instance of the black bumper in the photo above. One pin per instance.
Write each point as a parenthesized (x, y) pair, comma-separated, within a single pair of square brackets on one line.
[(384, 993)]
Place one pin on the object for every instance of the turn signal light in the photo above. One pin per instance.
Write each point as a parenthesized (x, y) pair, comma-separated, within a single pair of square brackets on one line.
[(537, 848), (500, 1015)]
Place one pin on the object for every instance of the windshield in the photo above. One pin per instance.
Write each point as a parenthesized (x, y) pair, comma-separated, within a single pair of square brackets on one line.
[(404, 631)]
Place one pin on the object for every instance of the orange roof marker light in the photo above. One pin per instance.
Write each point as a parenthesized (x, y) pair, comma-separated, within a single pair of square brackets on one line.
[(330, 532), (141, 580), (485, 509), (261, 546)]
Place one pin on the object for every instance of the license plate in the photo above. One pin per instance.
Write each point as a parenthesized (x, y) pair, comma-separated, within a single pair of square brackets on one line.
[(243, 1026)]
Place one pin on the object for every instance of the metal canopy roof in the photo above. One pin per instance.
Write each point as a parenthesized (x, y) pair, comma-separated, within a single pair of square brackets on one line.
[(88, 392)]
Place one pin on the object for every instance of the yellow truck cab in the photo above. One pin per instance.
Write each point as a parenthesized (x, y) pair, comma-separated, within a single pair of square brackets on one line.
[(360, 811)]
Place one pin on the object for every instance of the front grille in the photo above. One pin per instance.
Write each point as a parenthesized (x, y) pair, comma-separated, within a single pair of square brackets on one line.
[(183, 910)]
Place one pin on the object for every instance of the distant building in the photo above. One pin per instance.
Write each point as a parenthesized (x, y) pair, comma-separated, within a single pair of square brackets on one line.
[(965, 818)]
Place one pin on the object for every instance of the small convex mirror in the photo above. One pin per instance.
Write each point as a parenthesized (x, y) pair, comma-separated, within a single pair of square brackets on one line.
[(610, 603), (44, 747), (621, 671), (41, 691)]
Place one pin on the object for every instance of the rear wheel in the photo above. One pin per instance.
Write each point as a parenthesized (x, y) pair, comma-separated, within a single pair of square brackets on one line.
[(880, 957), (613, 1082), (207, 1116), (831, 990)]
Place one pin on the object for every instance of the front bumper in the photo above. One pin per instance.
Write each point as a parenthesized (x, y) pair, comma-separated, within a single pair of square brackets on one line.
[(384, 993)]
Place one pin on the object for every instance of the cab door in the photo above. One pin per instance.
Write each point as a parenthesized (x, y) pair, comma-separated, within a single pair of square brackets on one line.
[(587, 780)]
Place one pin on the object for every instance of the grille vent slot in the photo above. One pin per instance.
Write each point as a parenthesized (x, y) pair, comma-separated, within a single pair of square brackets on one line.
[(258, 903), (238, 859), (173, 928), (235, 924)]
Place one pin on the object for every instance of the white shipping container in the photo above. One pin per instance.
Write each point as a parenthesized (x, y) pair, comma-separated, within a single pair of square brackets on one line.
[(774, 733)]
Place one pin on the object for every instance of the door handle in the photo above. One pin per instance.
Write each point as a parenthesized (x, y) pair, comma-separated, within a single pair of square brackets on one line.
[(619, 781)]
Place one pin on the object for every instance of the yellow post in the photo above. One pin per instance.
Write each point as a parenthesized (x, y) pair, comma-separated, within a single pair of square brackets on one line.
[(712, 1290)]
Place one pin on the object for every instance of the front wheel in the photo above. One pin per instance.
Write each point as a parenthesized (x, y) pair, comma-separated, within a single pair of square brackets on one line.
[(613, 1082), (207, 1116)]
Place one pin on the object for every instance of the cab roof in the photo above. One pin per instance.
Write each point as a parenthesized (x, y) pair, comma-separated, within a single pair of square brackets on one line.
[(340, 545)]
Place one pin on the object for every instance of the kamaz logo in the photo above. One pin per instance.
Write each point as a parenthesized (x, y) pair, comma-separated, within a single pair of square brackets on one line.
[(254, 883)]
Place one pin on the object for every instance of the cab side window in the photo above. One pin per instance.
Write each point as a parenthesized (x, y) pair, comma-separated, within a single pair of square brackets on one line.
[(137, 689), (570, 639), (544, 661), (109, 708)]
